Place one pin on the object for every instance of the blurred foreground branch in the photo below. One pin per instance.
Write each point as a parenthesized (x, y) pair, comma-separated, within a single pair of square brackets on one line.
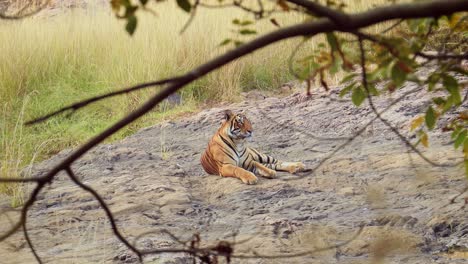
[(330, 20)]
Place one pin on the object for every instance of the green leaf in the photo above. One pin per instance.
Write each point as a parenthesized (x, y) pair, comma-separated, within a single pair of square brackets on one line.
[(333, 41), (247, 32), (372, 89), (358, 96), (430, 118), (131, 25), (242, 23), (413, 78), (185, 5), (432, 81), (451, 85), (347, 89), (455, 132), (225, 42), (348, 78), (398, 75), (336, 66), (375, 75), (438, 101), (448, 104), (460, 139), (237, 43)]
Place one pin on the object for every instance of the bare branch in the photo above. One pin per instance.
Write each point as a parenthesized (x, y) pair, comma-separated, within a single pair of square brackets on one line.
[(19, 179), (106, 209), (315, 8), (463, 56), (24, 213), (76, 106), (330, 22), (192, 16), (28, 240), (258, 14), (396, 24)]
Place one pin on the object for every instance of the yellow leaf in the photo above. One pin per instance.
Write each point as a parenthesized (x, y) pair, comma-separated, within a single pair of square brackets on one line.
[(425, 140), (416, 122), (116, 4), (464, 115), (465, 149), (283, 5), (458, 22)]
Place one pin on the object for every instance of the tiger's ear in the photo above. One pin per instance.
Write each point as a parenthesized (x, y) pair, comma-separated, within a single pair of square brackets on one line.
[(228, 114)]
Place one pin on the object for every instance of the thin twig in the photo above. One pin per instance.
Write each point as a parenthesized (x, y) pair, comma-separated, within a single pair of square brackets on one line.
[(24, 214), (463, 56), (393, 26), (292, 57), (29, 241), (191, 18), (458, 195), (320, 10)]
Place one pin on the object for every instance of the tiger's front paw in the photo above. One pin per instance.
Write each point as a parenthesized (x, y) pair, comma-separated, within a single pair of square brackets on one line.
[(294, 167), (249, 178)]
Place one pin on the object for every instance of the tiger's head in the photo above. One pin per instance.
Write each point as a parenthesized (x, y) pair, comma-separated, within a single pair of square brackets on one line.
[(237, 126)]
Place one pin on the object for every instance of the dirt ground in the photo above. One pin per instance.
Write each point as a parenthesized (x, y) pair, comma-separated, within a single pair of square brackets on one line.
[(153, 181)]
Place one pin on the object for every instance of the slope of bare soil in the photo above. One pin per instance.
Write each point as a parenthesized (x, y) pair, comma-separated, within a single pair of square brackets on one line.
[(153, 181)]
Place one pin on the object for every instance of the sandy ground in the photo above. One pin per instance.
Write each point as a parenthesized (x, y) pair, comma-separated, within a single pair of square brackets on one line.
[(153, 181)]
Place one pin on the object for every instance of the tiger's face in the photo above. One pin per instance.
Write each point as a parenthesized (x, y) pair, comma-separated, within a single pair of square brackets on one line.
[(239, 126)]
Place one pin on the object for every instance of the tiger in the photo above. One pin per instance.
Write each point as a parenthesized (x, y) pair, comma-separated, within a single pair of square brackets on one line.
[(228, 156)]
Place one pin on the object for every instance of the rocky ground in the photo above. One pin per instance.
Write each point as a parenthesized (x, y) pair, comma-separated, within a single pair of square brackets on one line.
[(153, 181)]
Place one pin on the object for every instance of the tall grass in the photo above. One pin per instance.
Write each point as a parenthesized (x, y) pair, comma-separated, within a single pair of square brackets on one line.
[(49, 62)]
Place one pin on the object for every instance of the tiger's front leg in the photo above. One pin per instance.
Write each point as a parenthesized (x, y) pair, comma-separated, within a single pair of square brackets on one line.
[(276, 165), (262, 170), (229, 170)]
